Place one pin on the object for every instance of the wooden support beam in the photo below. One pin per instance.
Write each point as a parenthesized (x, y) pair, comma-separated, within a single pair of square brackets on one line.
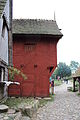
[(74, 79), (79, 85)]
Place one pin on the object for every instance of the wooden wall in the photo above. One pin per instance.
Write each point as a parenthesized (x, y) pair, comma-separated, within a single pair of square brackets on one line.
[(34, 56)]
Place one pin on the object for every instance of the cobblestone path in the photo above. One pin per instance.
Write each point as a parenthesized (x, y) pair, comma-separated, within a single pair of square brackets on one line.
[(66, 106)]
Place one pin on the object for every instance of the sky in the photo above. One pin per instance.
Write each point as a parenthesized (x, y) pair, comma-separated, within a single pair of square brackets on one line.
[(67, 13)]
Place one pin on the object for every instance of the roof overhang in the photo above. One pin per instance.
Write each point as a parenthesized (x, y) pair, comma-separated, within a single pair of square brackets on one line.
[(38, 35)]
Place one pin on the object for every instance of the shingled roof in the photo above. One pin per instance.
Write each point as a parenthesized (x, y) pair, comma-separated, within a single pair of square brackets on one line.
[(35, 26), (2, 5), (77, 73)]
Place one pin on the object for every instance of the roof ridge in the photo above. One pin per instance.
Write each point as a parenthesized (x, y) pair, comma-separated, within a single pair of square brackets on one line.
[(34, 19)]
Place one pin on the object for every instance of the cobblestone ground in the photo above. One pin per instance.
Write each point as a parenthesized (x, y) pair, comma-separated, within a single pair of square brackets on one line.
[(66, 106)]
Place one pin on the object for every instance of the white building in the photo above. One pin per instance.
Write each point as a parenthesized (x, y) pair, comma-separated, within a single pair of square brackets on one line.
[(5, 42)]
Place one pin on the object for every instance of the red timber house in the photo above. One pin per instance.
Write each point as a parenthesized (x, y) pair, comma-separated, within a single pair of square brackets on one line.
[(35, 54)]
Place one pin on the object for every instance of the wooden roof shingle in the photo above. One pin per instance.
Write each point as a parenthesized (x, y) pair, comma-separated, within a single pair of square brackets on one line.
[(35, 26), (77, 73)]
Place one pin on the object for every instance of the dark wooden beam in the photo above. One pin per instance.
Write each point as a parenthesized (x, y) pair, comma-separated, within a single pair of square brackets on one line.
[(79, 85), (74, 79)]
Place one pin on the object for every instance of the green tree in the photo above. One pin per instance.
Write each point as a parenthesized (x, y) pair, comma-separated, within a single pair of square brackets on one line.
[(62, 70), (55, 73), (74, 65)]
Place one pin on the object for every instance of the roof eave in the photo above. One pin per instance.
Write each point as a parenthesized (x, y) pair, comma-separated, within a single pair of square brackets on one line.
[(52, 35)]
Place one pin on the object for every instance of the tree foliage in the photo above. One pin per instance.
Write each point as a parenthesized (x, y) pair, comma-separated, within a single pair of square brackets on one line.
[(74, 66), (14, 71), (62, 70)]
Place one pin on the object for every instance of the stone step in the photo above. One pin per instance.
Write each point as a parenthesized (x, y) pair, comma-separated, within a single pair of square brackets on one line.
[(29, 110), (3, 108), (11, 111)]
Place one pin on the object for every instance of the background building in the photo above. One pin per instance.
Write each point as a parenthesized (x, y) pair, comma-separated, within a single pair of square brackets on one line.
[(35, 54)]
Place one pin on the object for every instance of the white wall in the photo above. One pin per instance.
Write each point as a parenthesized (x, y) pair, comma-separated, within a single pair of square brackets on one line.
[(6, 12), (4, 46), (4, 40)]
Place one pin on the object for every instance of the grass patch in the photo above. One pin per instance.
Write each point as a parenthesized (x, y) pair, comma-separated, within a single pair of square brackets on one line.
[(70, 89), (43, 102), (77, 84), (14, 102), (78, 94), (57, 82)]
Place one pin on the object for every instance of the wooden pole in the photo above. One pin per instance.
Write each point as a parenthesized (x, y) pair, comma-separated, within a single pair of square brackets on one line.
[(79, 85), (74, 79)]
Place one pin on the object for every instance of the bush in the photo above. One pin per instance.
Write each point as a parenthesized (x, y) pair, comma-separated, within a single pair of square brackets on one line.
[(13, 72)]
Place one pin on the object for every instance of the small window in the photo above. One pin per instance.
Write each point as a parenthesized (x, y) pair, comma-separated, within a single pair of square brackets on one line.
[(29, 47), (50, 69)]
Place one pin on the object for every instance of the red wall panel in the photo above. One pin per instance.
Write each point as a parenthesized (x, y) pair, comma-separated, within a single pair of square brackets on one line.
[(34, 58)]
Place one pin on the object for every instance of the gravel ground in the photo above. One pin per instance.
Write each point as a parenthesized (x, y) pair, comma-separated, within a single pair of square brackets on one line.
[(66, 106)]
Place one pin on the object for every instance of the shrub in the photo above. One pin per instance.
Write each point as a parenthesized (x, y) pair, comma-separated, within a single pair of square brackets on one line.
[(14, 71)]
